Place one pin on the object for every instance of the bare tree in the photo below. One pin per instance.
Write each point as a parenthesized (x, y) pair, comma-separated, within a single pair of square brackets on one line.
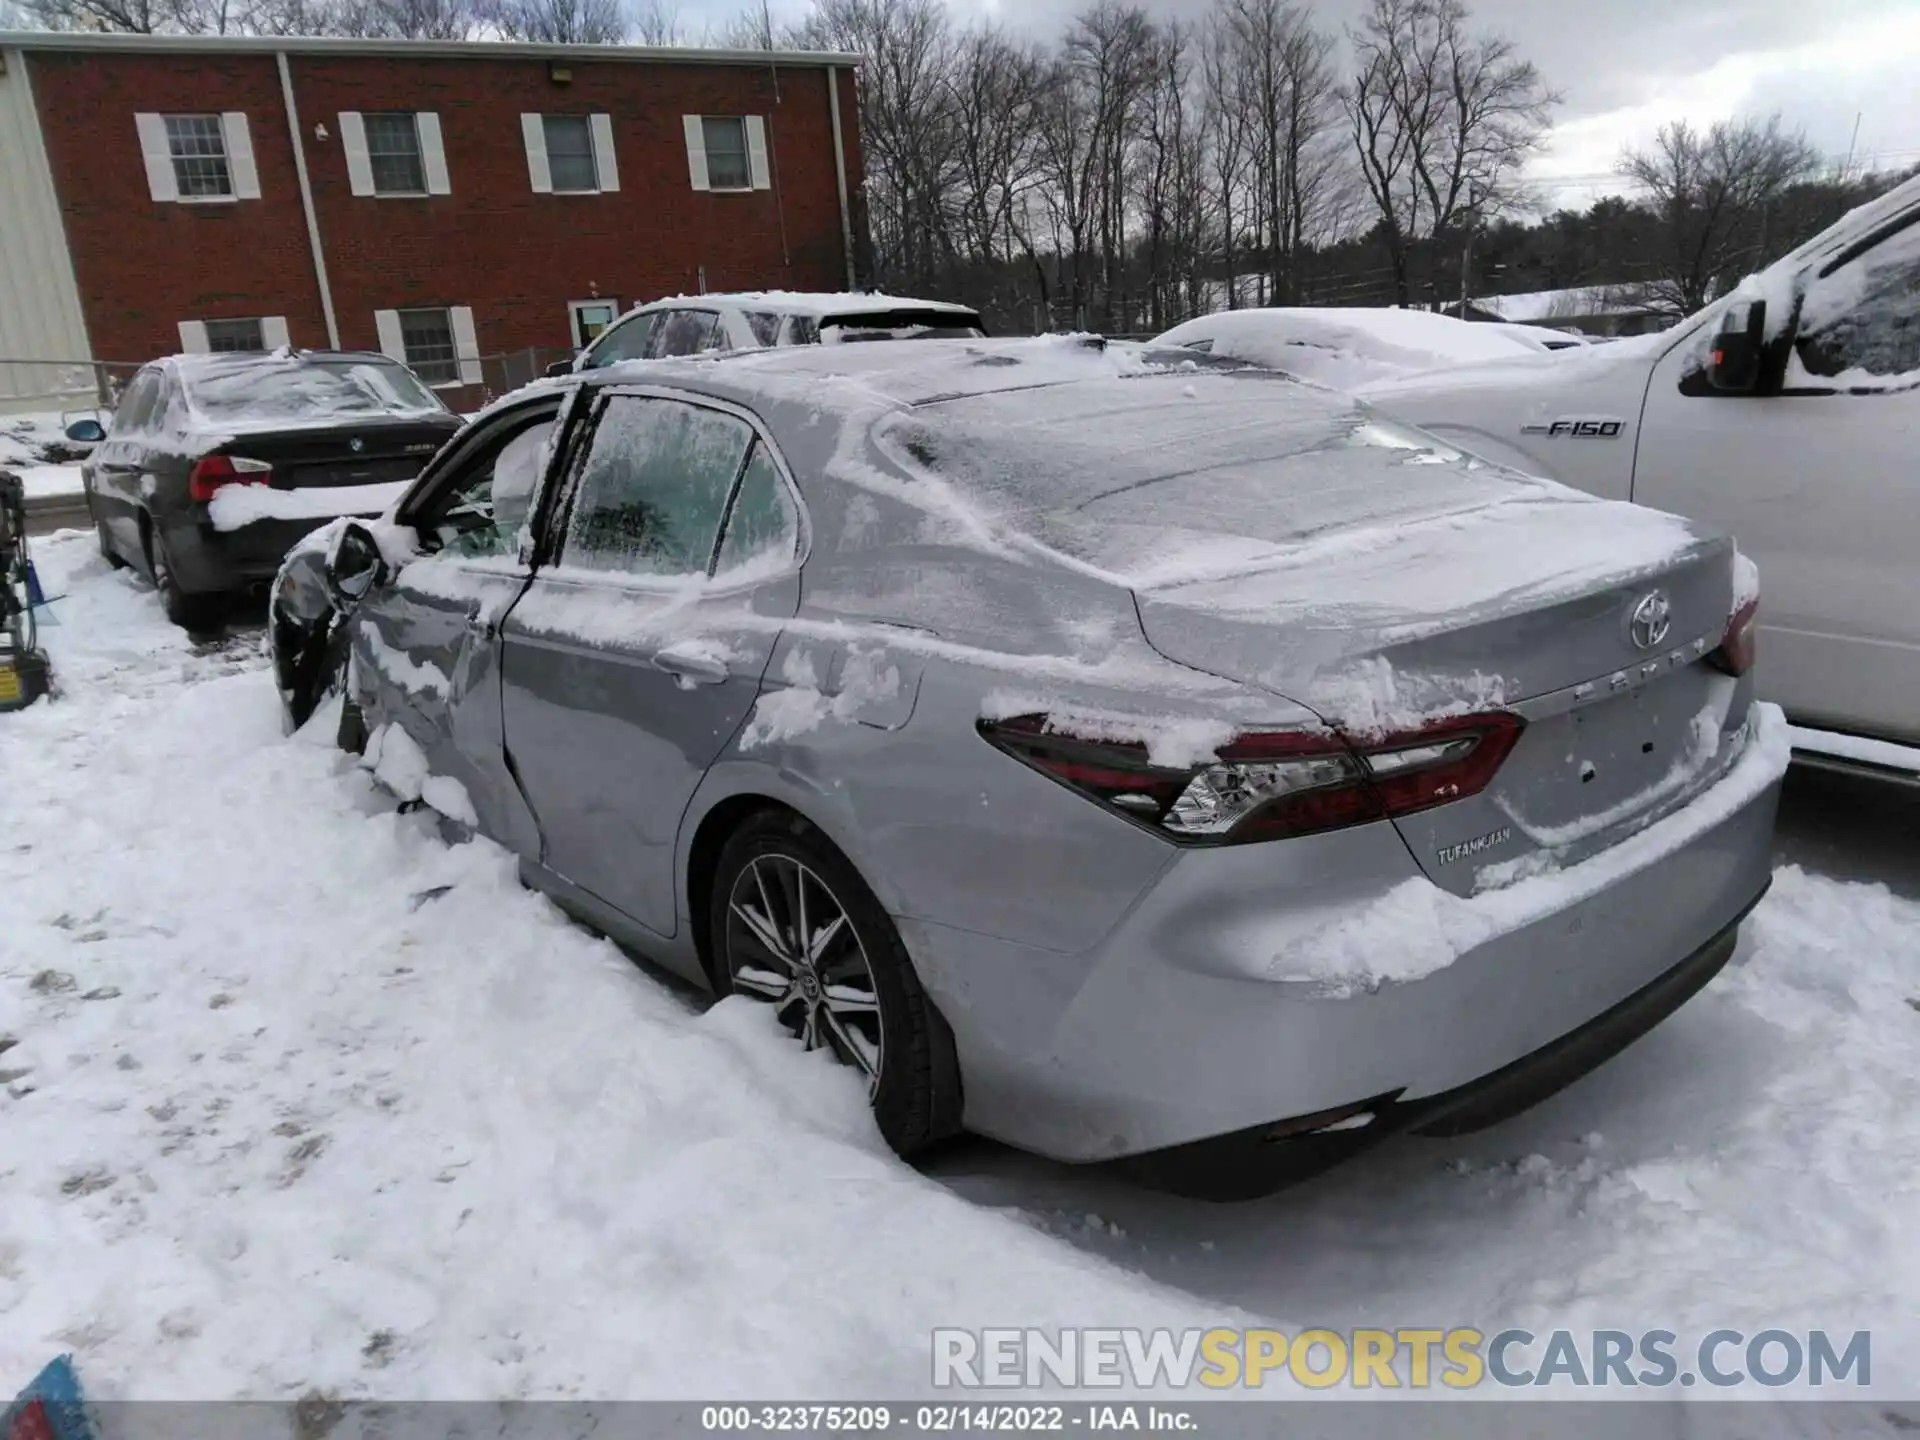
[(1712, 192), (1286, 85), (657, 23), (996, 92), (1442, 120), (558, 22), (141, 17)]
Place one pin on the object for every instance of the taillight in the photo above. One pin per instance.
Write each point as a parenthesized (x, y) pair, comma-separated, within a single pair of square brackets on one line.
[(213, 471), (1735, 655), (1267, 785)]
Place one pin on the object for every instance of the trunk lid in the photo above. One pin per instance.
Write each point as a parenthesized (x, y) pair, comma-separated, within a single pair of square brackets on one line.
[(1590, 620), (374, 452)]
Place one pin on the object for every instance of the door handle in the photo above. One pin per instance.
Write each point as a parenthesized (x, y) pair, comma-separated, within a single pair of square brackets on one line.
[(692, 665)]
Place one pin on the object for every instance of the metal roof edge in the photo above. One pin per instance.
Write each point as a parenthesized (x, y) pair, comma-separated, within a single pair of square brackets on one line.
[(31, 40)]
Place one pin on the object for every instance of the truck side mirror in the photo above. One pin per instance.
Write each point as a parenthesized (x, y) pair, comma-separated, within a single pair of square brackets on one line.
[(1733, 365)]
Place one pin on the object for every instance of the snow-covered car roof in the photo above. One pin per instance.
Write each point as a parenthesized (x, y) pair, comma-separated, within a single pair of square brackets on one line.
[(821, 305), (1348, 346), (835, 378)]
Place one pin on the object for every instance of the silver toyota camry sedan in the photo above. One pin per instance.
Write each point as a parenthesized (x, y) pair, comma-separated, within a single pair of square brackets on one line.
[(1136, 759)]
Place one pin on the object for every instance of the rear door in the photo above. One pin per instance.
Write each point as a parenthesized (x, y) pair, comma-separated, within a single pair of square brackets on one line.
[(633, 659), (425, 647), (1819, 485)]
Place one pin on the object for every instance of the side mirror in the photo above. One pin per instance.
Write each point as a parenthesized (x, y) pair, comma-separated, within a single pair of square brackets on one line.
[(86, 432), (1738, 348), (561, 367), (355, 566)]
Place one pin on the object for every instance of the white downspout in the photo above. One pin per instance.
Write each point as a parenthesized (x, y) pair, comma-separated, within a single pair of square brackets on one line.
[(306, 201), (840, 171)]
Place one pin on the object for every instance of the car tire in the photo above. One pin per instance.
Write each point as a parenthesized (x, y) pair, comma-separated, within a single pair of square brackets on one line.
[(351, 736), (193, 612), (885, 1024)]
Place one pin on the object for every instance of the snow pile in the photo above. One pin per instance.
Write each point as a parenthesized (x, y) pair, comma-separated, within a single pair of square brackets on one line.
[(35, 448), (420, 677), (801, 707), (233, 506), (1370, 697), (1347, 346), (1178, 742), (1416, 928), (350, 1111)]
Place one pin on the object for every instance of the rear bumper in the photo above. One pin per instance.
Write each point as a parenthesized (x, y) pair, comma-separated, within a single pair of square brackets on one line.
[(1172, 1031), (1260, 1159), (207, 560)]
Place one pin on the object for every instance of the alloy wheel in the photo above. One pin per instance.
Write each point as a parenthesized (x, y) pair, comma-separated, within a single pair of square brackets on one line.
[(790, 943)]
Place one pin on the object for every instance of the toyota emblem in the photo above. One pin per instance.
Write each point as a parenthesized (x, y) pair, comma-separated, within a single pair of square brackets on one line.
[(1652, 619)]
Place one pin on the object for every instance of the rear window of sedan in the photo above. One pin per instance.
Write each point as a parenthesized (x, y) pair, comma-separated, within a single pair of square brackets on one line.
[(901, 325), (308, 390)]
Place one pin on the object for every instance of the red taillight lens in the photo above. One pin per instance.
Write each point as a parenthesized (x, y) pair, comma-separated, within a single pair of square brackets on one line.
[(213, 471), (1268, 785), (1737, 646)]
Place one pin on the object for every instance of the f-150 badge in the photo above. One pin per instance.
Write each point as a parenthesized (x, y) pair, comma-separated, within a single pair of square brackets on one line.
[(1597, 428)]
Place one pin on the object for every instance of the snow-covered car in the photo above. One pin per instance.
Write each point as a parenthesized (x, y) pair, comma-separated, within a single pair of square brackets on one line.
[(1347, 347), (214, 465), (1786, 413), (1126, 755), (757, 320), (1542, 336)]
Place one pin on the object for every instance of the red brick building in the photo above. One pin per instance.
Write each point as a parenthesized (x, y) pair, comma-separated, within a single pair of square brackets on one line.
[(442, 201)]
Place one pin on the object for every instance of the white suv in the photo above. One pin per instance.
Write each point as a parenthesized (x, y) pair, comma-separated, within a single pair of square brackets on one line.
[(758, 320)]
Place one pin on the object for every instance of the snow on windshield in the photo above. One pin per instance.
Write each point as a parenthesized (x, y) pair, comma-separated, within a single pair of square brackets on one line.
[(297, 390)]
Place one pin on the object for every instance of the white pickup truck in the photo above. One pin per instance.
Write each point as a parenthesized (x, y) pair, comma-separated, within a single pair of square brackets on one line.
[(1786, 413)]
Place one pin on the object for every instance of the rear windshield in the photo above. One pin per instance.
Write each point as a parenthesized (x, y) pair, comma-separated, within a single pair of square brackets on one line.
[(308, 390), (1123, 473), (901, 325)]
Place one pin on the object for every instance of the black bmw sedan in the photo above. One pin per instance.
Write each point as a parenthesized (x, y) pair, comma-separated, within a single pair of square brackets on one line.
[(214, 465)]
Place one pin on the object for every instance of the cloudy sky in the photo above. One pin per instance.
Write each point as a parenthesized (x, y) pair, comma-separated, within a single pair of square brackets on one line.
[(1627, 66)]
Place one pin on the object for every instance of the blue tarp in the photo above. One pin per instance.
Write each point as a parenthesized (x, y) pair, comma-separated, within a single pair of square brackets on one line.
[(50, 1408)]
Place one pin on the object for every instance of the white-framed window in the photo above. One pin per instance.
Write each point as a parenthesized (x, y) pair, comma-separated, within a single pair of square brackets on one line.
[(570, 154), (589, 319), (438, 343), (394, 153), (198, 159), (254, 332), (727, 152)]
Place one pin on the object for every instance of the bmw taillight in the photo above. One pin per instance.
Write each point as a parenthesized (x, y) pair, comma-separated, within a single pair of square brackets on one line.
[(211, 472), (1268, 785), (1737, 646)]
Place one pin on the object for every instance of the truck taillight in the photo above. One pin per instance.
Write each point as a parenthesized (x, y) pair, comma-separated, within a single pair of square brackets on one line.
[(213, 471), (1268, 785), (1735, 655)]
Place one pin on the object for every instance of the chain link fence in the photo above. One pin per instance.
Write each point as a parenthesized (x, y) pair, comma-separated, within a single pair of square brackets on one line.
[(30, 387)]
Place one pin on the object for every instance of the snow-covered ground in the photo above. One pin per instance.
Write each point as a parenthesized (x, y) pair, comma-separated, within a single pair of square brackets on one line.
[(295, 1095), (21, 439)]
